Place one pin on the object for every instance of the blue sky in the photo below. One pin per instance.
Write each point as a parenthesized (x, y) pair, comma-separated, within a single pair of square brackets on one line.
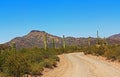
[(78, 18)]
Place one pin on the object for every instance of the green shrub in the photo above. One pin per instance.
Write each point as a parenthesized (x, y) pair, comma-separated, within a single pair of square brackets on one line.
[(16, 63), (36, 69), (49, 63)]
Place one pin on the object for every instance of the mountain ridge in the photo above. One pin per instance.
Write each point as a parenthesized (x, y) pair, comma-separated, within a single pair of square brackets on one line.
[(36, 37)]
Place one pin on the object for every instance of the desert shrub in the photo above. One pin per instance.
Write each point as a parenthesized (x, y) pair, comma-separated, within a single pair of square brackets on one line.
[(49, 63), (36, 68), (69, 49), (113, 53), (90, 50), (16, 63), (3, 57), (118, 58), (4, 75)]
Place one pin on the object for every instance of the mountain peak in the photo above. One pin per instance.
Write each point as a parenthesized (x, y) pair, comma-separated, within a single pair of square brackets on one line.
[(35, 38), (37, 31)]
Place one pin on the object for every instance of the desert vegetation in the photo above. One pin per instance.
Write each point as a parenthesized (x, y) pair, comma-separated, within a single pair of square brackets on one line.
[(32, 61), (26, 61), (19, 62), (103, 48), (111, 52)]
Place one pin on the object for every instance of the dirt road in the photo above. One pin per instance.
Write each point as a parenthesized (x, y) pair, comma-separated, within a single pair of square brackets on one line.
[(80, 65)]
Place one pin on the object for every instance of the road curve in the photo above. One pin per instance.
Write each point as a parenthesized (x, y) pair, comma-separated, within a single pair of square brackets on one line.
[(80, 65)]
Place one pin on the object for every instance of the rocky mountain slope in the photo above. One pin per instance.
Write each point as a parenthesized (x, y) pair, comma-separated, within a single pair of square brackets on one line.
[(36, 38), (115, 37)]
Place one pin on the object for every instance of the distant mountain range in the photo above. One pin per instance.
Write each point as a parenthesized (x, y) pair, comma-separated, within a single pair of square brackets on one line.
[(35, 38)]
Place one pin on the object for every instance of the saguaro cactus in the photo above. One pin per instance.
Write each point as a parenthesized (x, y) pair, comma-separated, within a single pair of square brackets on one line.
[(97, 38), (98, 41), (64, 45), (13, 46), (97, 34), (53, 43), (89, 41), (45, 41)]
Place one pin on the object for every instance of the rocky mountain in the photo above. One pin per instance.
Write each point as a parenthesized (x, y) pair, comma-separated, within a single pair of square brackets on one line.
[(35, 38), (115, 37)]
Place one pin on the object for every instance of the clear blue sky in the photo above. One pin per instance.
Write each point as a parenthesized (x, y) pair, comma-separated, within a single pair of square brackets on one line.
[(78, 18)]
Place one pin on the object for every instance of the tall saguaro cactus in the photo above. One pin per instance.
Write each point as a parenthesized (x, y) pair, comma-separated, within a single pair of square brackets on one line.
[(64, 45), (13, 45), (53, 43), (97, 37), (45, 41), (97, 34), (98, 40), (89, 41)]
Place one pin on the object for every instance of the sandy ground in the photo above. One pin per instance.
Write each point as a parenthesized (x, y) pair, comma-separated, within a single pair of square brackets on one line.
[(80, 65)]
